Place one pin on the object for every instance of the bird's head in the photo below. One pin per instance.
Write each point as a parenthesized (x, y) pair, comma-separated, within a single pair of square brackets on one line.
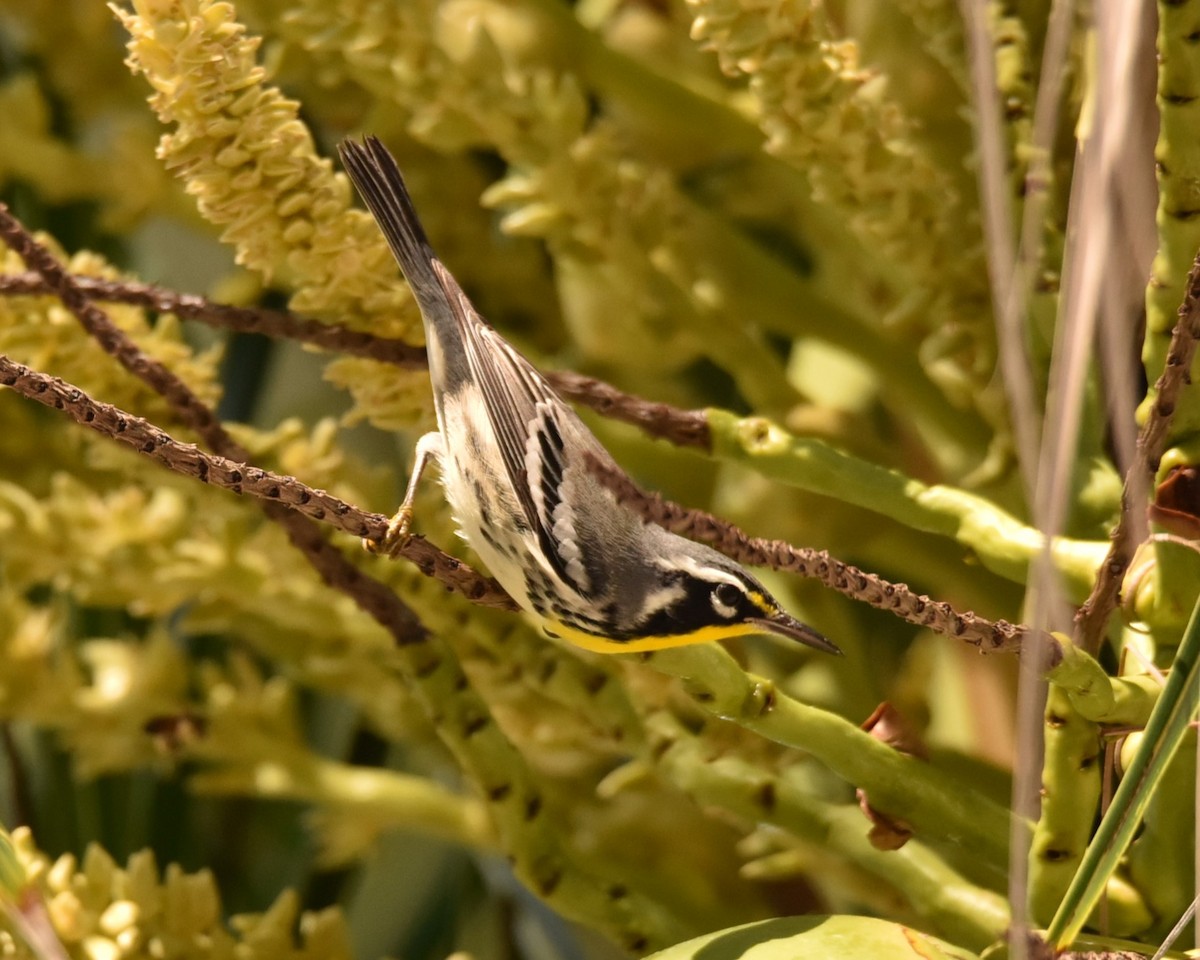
[(703, 595)]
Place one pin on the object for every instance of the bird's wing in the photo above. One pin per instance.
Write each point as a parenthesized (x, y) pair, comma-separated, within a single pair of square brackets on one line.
[(529, 421), (527, 417)]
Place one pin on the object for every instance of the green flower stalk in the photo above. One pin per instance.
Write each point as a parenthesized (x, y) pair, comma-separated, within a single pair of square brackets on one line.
[(1070, 796), (251, 746), (1002, 543), (826, 114), (1178, 167), (942, 899), (252, 166), (899, 785)]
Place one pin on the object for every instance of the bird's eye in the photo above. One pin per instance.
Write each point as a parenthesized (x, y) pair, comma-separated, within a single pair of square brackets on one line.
[(725, 597)]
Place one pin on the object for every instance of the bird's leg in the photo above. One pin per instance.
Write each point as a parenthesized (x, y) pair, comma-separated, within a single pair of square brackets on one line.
[(429, 446)]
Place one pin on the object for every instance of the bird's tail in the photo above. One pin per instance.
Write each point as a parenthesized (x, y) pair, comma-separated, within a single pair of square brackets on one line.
[(378, 179)]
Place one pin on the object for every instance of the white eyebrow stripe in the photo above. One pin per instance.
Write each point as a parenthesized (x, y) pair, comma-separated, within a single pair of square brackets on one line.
[(709, 574)]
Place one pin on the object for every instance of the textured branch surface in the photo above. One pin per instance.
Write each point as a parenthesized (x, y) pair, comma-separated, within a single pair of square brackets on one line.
[(462, 718), (270, 323), (190, 409), (1093, 615), (374, 597), (685, 428), (188, 460), (989, 636)]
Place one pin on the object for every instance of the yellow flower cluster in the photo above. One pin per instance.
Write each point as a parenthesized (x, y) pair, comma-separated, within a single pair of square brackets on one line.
[(73, 130), (837, 121), (251, 164), (102, 911), (253, 167)]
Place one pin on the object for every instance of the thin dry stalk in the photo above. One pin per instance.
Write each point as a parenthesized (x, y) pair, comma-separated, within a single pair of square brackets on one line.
[(1009, 275), (1152, 440), (277, 324)]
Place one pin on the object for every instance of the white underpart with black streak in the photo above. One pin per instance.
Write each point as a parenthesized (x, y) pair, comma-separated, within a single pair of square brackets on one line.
[(471, 512)]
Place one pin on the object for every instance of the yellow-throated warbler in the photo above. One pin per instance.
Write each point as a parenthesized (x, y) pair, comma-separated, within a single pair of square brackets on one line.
[(512, 456)]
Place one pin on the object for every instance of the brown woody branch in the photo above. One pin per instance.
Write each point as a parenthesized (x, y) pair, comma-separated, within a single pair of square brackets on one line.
[(188, 460), (270, 323), (1092, 618), (688, 428), (989, 636), (373, 596), (281, 494), (683, 428)]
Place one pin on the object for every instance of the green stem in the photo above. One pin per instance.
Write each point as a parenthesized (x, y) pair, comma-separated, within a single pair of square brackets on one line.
[(1178, 170), (1001, 542), (1097, 697), (384, 798), (529, 830), (1161, 862), (1164, 732), (937, 806), (1070, 796), (937, 894)]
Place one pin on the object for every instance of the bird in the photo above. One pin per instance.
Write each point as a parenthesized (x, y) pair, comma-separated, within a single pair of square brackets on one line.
[(514, 463)]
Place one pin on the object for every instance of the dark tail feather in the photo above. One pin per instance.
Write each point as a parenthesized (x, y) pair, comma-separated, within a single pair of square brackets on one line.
[(378, 179)]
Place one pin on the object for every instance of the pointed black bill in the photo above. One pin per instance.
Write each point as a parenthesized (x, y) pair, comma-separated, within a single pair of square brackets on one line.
[(784, 625)]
